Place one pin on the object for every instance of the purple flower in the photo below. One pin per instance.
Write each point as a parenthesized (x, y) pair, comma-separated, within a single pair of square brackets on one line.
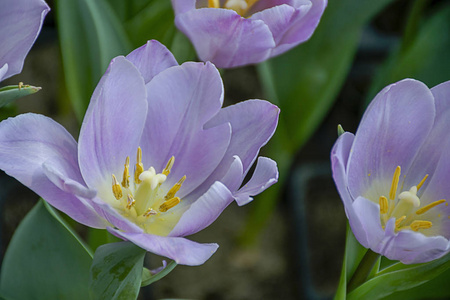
[(393, 174), (20, 23), (233, 33), (157, 157)]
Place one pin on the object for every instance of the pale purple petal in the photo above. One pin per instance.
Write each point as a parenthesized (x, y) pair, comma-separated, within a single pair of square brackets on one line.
[(225, 38), (20, 23), (235, 175), (399, 118), (29, 141), (3, 71), (181, 250), (182, 6), (203, 211), (413, 247), (113, 123), (151, 59), (265, 175), (181, 100), (369, 223)]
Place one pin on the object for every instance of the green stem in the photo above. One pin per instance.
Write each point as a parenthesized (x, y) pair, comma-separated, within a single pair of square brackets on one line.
[(412, 23), (363, 270)]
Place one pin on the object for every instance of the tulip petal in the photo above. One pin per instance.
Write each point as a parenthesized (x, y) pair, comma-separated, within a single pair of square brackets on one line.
[(113, 123), (203, 211), (399, 118), (368, 214), (24, 151), (151, 59), (225, 38), (181, 100), (3, 71), (265, 175), (181, 250), (182, 6), (21, 22)]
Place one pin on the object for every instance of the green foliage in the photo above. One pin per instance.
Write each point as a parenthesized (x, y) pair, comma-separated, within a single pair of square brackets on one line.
[(45, 259), (12, 92), (90, 36), (116, 271), (148, 278)]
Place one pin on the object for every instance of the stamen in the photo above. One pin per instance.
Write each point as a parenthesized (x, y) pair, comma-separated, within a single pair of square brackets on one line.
[(150, 212), (399, 221), (117, 190), (130, 201), (213, 3), (422, 182), (169, 166), (126, 173), (395, 180), (429, 206), (416, 225), (175, 188), (383, 205), (139, 166), (169, 204)]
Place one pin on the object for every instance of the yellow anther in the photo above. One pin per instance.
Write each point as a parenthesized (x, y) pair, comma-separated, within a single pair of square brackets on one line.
[(394, 185), (399, 221), (169, 204), (169, 166), (126, 173), (429, 206), (150, 212), (117, 190), (416, 225), (20, 86), (213, 3), (139, 166), (383, 205), (176, 187), (130, 201), (422, 182)]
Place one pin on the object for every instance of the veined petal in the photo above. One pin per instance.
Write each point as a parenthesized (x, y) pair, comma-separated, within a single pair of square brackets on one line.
[(151, 59), (266, 174), (225, 38), (203, 211), (181, 250), (30, 141), (390, 134), (181, 100), (21, 22), (113, 123)]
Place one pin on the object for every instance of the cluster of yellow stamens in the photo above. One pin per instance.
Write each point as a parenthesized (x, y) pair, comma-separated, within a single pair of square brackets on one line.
[(405, 207), (143, 195), (240, 6)]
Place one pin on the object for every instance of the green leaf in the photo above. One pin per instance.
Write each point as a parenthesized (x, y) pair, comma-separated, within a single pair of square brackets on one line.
[(116, 271), (148, 278), (12, 92), (400, 277), (90, 36), (424, 58), (353, 255), (45, 259)]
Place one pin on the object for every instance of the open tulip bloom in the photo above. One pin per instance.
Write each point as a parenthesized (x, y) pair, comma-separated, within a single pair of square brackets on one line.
[(393, 174), (157, 157), (20, 23), (233, 33)]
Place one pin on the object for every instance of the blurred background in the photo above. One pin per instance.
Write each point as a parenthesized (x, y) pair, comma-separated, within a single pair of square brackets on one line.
[(289, 242)]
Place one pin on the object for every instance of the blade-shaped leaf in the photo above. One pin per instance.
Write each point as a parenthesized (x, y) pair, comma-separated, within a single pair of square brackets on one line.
[(90, 36), (45, 259), (399, 277), (12, 92), (116, 271)]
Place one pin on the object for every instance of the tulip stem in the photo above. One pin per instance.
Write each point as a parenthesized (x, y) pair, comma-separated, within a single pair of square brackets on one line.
[(363, 270)]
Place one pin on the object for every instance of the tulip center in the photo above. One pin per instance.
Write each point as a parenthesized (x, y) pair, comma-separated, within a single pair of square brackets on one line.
[(147, 201), (407, 209), (239, 6)]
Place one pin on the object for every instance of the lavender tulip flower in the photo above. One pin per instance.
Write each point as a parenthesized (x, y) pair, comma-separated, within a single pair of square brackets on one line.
[(20, 23), (233, 33), (393, 174), (157, 157)]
